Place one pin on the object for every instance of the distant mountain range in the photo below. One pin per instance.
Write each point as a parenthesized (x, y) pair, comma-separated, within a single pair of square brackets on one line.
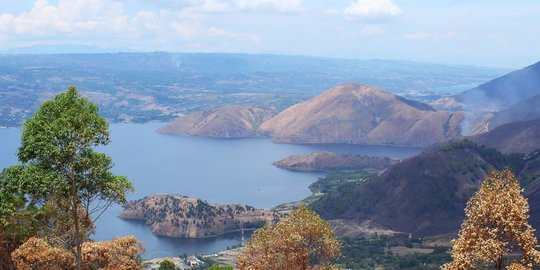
[(141, 87), (360, 114), (62, 49)]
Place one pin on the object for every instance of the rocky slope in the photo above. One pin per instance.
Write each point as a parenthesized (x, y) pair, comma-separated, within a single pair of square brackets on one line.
[(360, 114), (326, 161), (183, 217), (425, 195), (516, 137), (232, 121)]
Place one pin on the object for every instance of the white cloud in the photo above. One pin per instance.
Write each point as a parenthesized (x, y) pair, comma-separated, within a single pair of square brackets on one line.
[(105, 20), (372, 9), (416, 36), (67, 16)]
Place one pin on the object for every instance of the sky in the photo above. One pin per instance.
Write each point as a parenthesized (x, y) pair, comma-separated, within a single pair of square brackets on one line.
[(492, 33)]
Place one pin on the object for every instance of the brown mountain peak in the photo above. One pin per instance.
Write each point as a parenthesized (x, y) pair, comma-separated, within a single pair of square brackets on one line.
[(356, 113)]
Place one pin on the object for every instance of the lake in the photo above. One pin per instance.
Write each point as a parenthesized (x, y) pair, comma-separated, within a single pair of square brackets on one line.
[(217, 170)]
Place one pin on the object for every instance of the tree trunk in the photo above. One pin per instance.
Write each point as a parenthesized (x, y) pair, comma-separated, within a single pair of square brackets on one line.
[(76, 220), (500, 263)]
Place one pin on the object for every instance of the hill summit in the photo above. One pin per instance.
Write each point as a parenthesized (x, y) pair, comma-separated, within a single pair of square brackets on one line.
[(361, 114)]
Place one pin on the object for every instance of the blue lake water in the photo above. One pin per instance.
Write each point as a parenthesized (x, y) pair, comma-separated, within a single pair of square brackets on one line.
[(216, 170)]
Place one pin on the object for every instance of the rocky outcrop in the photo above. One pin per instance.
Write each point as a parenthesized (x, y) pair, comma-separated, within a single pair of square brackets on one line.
[(184, 217), (232, 121), (360, 114), (326, 161)]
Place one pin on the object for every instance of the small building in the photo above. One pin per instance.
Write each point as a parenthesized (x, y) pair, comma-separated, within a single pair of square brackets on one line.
[(193, 261)]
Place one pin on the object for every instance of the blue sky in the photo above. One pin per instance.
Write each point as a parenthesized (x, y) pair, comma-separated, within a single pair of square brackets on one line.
[(486, 33)]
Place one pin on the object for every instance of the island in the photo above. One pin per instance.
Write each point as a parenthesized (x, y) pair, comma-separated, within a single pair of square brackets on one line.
[(184, 217), (327, 161)]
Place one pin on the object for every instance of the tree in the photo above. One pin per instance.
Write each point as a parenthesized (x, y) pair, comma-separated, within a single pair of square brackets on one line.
[(300, 241), (167, 265), (496, 223), (59, 164), (119, 254)]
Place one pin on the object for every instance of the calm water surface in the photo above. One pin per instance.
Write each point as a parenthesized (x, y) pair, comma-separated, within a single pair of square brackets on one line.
[(219, 171)]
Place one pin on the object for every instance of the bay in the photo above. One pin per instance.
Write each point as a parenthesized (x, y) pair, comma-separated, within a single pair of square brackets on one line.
[(217, 170)]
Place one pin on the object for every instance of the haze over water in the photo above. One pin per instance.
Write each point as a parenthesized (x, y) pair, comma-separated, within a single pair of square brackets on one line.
[(216, 170)]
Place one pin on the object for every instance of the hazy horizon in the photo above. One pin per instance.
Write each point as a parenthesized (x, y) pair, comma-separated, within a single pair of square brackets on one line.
[(479, 33)]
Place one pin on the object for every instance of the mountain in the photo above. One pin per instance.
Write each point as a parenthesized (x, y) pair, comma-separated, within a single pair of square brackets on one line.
[(232, 121), (326, 161), (184, 217), (360, 114), (503, 92), (62, 49), (426, 194), (515, 137)]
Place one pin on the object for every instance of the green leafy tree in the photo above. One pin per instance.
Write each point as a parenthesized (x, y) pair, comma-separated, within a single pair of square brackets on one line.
[(58, 163), (167, 265)]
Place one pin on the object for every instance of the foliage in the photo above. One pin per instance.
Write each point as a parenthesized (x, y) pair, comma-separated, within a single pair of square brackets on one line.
[(118, 254), (336, 178), (59, 167), (496, 224), (492, 156), (220, 267), (373, 253), (167, 265), (302, 240)]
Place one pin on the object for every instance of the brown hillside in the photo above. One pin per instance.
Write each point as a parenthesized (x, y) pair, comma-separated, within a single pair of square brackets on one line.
[(232, 121), (360, 114)]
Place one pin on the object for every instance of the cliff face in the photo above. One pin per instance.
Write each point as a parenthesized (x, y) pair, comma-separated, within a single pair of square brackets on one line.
[(325, 161), (360, 114), (183, 217), (226, 122)]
